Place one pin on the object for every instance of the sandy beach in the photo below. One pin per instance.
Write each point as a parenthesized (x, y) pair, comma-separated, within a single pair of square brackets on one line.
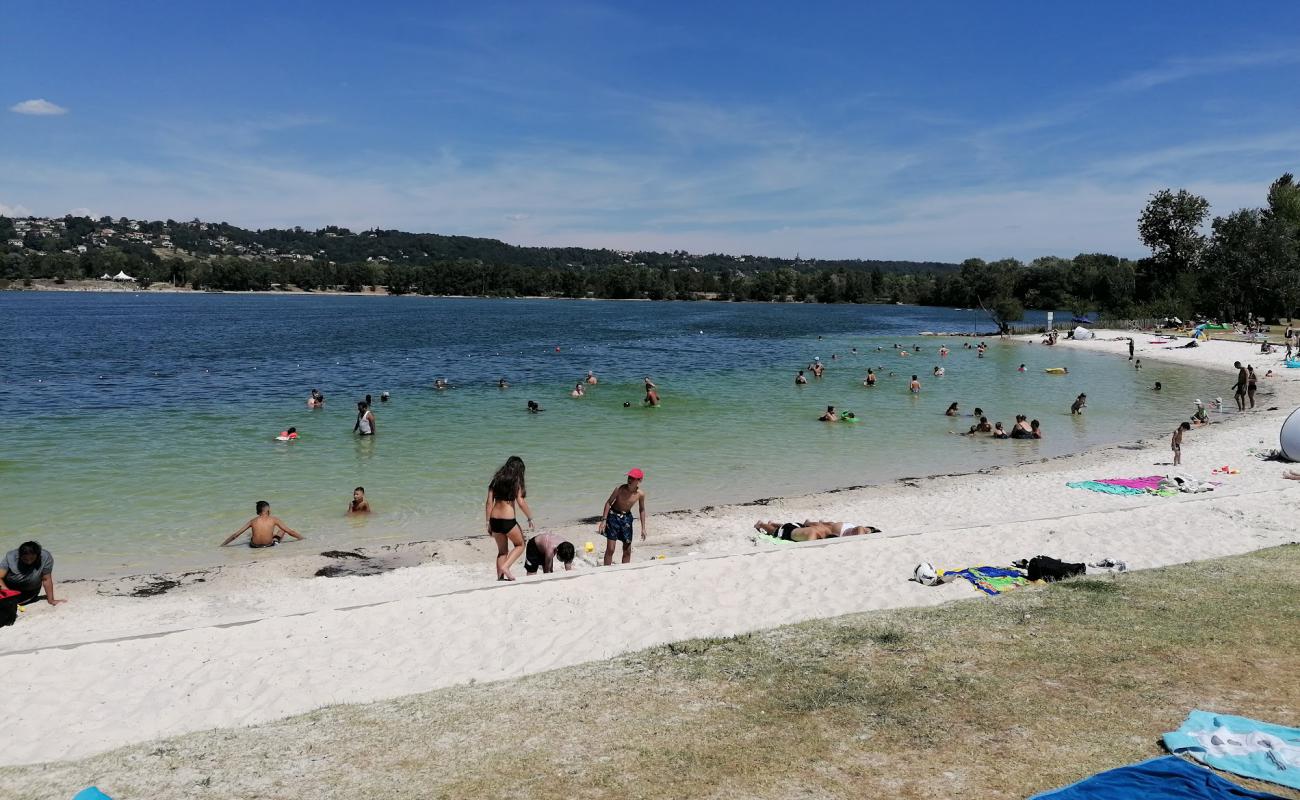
[(253, 642)]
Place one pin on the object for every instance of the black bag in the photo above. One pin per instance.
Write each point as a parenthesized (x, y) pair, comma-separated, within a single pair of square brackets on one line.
[(1050, 569)]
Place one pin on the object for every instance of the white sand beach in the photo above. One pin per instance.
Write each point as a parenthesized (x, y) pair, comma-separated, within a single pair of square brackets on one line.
[(250, 643)]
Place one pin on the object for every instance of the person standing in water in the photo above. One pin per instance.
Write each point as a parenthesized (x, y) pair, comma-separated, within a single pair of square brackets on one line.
[(591, 378), (871, 378), (800, 380), (915, 386), (1079, 404), (505, 494), (365, 424), (651, 392), (616, 518)]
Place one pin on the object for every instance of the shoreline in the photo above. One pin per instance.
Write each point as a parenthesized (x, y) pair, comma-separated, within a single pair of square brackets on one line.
[(420, 626)]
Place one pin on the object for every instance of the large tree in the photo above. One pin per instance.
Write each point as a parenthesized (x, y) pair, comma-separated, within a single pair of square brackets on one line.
[(1171, 226)]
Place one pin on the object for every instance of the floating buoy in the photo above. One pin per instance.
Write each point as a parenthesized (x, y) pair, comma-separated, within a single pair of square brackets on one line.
[(589, 547)]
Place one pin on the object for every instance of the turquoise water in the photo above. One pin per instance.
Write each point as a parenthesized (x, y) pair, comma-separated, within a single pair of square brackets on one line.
[(139, 429)]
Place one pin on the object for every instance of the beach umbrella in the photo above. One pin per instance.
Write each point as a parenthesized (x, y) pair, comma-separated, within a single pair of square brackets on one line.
[(1289, 436)]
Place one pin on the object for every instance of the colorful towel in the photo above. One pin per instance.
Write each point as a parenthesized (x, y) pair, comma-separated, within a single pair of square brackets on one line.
[(990, 580), (1130, 486), (1240, 745), (1164, 778)]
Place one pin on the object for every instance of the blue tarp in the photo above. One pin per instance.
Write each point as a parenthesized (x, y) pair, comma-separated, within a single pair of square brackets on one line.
[(1166, 778), (1240, 745)]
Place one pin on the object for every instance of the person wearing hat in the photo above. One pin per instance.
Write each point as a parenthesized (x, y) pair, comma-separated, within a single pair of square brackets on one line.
[(1201, 417), (616, 518)]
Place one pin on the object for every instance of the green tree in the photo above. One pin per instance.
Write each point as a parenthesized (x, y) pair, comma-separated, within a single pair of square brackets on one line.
[(1170, 226)]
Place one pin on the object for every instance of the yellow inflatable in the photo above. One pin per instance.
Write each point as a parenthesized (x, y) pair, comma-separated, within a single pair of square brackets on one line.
[(1056, 371)]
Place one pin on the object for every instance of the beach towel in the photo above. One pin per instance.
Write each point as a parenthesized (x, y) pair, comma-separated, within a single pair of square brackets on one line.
[(1164, 778), (1240, 745), (990, 580), (1129, 486), (91, 793)]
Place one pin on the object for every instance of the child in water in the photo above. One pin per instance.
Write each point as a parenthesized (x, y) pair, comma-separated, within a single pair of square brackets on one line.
[(287, 436)]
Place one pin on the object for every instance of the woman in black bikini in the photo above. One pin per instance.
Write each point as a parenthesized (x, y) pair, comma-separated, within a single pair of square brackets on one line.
[(504, 493)]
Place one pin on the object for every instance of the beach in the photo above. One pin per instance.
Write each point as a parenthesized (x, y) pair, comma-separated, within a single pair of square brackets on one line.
[(250, 643)]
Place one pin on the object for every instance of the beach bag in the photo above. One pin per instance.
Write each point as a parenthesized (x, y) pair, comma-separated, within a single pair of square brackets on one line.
[(8, 606), (1046, 568)]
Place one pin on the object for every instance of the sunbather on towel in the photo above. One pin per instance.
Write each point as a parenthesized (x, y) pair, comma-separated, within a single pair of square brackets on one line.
[(810, 530)]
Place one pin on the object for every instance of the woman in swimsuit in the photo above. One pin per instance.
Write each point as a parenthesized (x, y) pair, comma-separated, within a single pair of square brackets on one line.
[(505, 493), (1251, 384)]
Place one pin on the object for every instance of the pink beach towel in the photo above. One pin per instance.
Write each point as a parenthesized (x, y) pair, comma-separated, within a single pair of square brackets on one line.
[(1149, 482)]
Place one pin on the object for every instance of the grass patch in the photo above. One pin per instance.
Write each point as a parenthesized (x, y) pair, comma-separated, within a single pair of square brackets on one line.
[(995, 697)]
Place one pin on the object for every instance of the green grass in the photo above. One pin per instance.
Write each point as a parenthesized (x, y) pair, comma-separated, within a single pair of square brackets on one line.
[(992, 698)]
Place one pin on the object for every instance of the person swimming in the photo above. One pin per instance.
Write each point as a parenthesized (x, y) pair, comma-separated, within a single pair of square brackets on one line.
[(501, 384), (829, 416), (533, 408), (871, 378), (441, 384), (999, 433), (591, 378), (800, 380), (952, 411), (981, 427), (915, 386), (1157, 387), (578, 391), (316, 399), (1020, 368), (938, 372), (288, 436), (359, 504)]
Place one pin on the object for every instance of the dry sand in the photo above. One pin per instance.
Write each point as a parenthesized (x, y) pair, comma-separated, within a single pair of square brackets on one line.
[(252, 643)]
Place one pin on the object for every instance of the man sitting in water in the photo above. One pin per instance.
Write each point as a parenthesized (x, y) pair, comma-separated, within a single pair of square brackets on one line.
[(543, 549), (263, 527), (810, 530), (616, 518), (359, 504), (829, 416)]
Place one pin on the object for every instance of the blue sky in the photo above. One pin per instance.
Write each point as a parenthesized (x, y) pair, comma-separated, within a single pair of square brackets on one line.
[(919, 130)]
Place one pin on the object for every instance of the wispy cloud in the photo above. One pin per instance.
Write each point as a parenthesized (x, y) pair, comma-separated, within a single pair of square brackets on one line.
[(38, 108), (1180, 69), (14, 211)]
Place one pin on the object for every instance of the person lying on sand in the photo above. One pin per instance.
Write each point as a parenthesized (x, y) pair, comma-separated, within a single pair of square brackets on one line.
[(543, 549), (263, 527), (811, 530)]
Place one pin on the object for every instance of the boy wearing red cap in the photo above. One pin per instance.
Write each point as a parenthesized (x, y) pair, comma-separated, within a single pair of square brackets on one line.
[(616, 520)]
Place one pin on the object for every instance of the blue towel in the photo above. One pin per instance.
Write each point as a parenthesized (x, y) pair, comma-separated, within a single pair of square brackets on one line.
[(91, 793), (1240, 745), (1164, 778)]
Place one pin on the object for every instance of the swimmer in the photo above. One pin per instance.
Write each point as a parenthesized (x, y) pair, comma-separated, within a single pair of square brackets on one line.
[(938, 372), (383, 397), (1157, 387), (626, 404), (871, 378), (978, 412), (263, 529), (800, 380), (1137, 364), (999, 433), (591, 378), (288, 436), (1021, 429), (816, 367), (1079, 404), (533, 408), (651, 393), (359, 504), (943, 352), (441, 384), (578, 391), (915, 386), (980, 427), (1020, 368), (365, 424), (952, 411), (316, 399), (501, 384), (1035, 431), (829, 416)]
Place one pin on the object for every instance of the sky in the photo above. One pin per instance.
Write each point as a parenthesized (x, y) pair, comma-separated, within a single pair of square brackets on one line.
[(917, 130)]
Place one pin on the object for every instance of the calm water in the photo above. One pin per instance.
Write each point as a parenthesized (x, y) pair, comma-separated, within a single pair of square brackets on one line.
[(139, 430)]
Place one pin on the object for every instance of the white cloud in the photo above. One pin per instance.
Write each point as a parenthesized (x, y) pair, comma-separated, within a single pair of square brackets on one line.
[(82, 212), (14, 211), (38, 108)]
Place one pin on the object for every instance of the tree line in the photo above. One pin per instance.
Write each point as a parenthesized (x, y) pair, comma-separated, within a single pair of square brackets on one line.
[(1247, 263)]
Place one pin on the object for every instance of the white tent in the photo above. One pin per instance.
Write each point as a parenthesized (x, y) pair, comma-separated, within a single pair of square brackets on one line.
[(1083, 333), (106, 277), (122, 276)]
